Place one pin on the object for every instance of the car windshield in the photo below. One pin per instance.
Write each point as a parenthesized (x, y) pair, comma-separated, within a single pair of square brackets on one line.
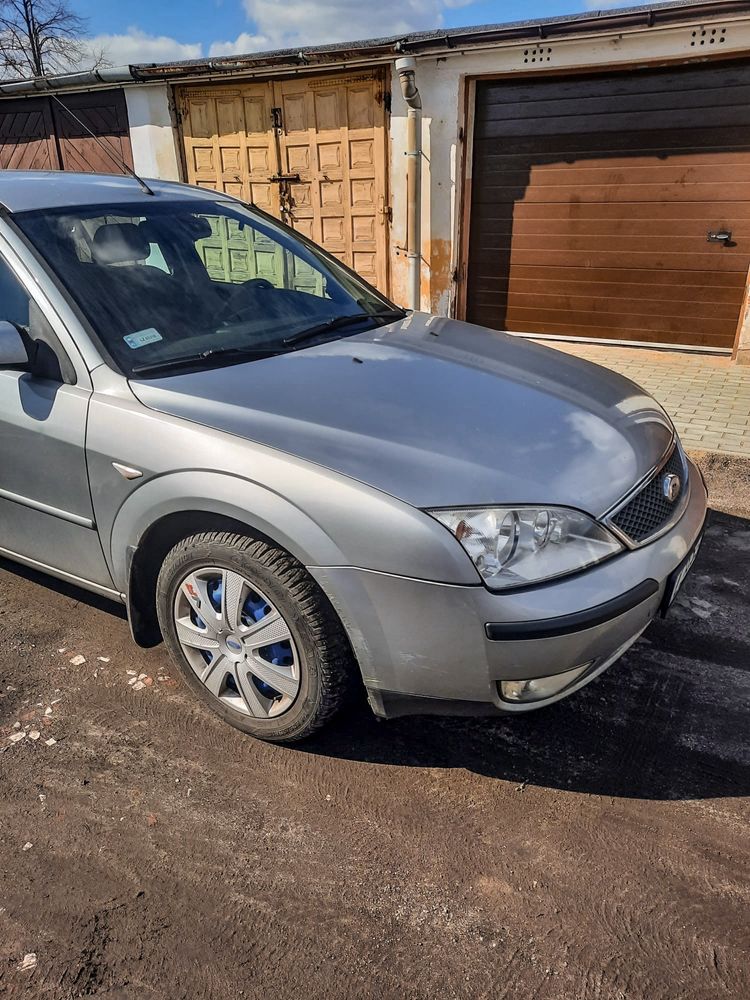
[(176, 284)]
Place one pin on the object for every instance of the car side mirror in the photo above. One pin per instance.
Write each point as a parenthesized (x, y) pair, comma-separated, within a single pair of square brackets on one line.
[(13, 352)]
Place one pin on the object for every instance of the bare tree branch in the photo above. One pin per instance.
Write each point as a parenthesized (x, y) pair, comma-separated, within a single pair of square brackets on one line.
[(40, 37)]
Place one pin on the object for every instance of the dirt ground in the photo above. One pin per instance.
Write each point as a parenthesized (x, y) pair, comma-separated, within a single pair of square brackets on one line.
[(597, 849)]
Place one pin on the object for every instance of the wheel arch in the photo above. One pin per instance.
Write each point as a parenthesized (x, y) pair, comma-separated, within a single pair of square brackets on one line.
[(167, 509), (146, 558)]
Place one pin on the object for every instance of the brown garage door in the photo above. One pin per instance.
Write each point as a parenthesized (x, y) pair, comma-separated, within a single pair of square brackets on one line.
[(592, 198), (105, 113), (27, 135), (36, 133)]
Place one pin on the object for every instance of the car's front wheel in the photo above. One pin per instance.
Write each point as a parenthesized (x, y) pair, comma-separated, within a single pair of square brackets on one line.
[(253, 635)]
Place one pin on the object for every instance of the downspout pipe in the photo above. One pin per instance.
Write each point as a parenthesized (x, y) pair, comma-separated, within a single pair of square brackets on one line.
[(406, 69)]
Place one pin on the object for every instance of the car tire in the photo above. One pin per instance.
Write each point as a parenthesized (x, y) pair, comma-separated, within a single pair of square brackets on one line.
[(310, 649)]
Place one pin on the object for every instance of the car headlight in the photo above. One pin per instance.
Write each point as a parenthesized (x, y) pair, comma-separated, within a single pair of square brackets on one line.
[(517, 546)]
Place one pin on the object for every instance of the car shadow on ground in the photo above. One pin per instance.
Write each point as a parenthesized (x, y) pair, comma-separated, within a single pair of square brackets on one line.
[(669, 721), (64, 588)]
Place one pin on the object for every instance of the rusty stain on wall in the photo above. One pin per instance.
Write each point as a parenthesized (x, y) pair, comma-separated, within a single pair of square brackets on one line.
[(438, 258)]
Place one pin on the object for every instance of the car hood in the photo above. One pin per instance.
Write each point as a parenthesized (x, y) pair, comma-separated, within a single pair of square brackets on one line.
[(438, 413)]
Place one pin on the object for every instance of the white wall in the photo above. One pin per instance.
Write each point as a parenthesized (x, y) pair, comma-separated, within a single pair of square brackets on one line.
[(442, 83), (153, 136)]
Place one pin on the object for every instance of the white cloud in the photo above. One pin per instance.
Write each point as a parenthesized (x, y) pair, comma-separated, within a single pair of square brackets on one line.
[(315, 22), (137, 46), (244, 42), (280, 25)]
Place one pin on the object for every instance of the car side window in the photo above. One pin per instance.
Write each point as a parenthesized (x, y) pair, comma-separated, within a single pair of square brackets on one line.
[(14, 300), (18, 307)]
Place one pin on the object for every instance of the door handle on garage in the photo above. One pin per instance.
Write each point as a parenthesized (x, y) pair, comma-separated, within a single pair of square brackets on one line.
[(723, 236)]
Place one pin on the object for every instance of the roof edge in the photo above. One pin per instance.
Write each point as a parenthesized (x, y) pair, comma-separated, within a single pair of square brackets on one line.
[(384, 49), (68, 81)]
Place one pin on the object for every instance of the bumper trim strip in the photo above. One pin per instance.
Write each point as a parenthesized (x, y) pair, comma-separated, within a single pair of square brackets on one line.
[(548, 628)]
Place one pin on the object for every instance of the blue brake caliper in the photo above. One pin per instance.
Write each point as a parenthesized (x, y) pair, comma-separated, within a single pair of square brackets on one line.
[(255, 609)]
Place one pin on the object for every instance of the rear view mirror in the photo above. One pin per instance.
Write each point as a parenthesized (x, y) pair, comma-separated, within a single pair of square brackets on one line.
[(199, 227), (13, 353)]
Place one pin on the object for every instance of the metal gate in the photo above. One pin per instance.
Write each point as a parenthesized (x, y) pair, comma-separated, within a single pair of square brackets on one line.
[(311, 151)]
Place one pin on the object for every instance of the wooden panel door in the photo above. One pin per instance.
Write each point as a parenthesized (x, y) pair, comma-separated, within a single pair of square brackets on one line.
[(105, 113), (37, 134), (236, 254), (309, 151), (333, 138), (27, 135), (229, 145), (593, 197)]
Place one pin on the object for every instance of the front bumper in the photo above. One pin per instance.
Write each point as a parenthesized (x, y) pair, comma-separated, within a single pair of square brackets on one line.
[(437, 648)]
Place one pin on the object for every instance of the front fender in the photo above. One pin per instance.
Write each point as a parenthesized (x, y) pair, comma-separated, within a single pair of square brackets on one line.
[(219, 494), (321, 517)]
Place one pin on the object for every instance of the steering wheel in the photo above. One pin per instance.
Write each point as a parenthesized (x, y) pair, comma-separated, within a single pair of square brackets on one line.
[(233, 305)]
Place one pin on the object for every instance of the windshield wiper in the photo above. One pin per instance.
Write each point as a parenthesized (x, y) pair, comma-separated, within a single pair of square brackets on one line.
[(190, 360), (338, 321)]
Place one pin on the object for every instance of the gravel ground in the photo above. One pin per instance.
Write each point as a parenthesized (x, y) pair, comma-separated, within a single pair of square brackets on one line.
[(596, 849)]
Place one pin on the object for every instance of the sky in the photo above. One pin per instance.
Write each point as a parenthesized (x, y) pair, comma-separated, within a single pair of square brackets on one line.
[(137, 31)]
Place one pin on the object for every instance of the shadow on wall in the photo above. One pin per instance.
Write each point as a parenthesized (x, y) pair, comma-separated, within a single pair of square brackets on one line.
[(669, 721)]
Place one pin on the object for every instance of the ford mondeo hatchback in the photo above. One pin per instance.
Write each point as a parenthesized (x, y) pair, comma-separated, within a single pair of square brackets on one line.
[(301, 488)]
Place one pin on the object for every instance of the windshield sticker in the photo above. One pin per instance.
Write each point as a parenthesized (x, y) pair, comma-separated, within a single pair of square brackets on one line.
[(142, 337)]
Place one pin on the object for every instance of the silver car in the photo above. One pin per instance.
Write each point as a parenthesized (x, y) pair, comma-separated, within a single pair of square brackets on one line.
[(304, 490)]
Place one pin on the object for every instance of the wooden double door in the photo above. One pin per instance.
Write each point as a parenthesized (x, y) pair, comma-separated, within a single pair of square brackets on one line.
[(37, 133), (310, 151)]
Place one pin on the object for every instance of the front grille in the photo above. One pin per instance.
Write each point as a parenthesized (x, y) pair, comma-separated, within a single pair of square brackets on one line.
[(650, 510)]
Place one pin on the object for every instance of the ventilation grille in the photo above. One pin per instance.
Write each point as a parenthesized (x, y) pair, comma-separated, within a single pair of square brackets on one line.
[(708, 36), (539, 54), (650, 510)]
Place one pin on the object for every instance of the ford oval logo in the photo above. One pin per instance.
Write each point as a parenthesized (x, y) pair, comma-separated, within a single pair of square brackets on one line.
[(234, 644), (670, 485)]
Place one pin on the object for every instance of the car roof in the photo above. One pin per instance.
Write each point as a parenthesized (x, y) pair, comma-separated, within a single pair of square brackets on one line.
[(28, 190)]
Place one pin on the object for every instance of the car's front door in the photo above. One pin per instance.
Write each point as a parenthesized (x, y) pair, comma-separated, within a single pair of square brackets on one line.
[(46, 516)]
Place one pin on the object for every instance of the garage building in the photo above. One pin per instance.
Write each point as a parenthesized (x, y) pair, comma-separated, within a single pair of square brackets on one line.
[(583, 177)]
